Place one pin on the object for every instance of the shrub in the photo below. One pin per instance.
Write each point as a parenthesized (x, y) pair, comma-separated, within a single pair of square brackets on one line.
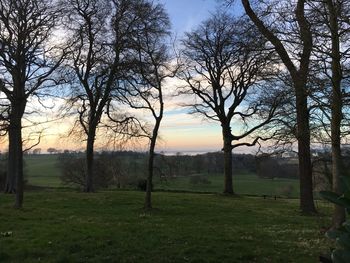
[(286, 190), (138, 183), (197, 179), (73, 171)]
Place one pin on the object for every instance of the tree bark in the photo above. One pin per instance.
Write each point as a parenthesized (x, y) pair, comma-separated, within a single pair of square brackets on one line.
[(339, 212), (26, 64), (304, 156), (336, 112), (89, 181), (15, 180), (19, 168), (10, 186), (299, 77), (228, 182), (148, 198)]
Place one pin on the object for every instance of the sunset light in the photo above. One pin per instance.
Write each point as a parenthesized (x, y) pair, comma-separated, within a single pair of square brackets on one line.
[(171, 131)]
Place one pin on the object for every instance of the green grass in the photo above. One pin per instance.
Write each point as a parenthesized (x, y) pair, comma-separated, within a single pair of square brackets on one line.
[(42, 170), (244, 183), (65, 226)]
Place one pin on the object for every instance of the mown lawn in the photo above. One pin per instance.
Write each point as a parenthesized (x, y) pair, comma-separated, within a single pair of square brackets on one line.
[(66, 226)]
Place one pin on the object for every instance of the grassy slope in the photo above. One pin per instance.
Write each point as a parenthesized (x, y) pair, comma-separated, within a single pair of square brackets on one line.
[(64, 226)]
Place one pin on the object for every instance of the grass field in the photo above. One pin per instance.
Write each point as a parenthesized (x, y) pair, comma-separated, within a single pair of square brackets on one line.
[(244, 183), (66, 226), (42, 170)]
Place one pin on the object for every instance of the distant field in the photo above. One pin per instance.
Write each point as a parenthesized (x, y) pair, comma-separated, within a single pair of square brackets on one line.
[(42, 170), (110, 226), (244, 183)]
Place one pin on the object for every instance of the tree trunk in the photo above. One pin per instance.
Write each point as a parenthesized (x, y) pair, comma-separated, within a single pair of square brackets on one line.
[(19, 163), (15, 181), (336, 112), (148, 198), (303, 135), (300, 78), (10, 186), (339, 212), (89, 182), (228, 184), (118, 181)]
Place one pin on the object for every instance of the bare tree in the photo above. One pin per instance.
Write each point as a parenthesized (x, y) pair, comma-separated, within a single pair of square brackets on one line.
[(332, 31), (101, 42), (335, 29), (144, 89), (291, 36), (27, 63), (226, 62), (88, 23)]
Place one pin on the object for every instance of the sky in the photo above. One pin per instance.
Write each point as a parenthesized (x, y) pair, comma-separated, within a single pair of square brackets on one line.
[(180, 131), (187, 14)]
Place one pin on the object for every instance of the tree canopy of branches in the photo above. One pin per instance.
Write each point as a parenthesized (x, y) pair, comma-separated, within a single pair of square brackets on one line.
[(327, 84), (103, 34), (27, 64), (92, 69), (226, 61), (331, 29)]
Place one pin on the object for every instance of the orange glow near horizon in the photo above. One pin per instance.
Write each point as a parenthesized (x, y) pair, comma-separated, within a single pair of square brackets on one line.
[(199, 138), (169, 140)]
